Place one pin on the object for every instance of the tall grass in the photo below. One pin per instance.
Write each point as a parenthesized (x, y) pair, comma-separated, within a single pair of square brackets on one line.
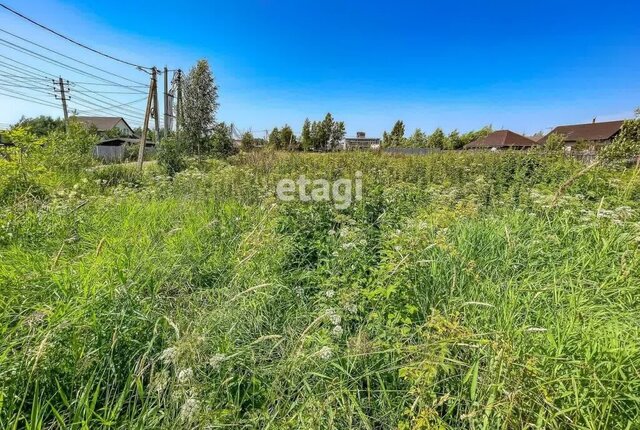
[(454, 295)]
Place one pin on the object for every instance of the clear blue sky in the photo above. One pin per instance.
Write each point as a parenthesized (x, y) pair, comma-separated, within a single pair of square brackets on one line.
[(460, 64)]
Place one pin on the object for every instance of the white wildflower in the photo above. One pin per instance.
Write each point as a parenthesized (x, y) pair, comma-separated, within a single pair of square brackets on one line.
[(337, 331), (352, 308), (216, 360), (333, 317), (348, 245), (332, 232), (325, 353), (168, 355), (185, 375), (159, 382), (330, 293), (189, 409)]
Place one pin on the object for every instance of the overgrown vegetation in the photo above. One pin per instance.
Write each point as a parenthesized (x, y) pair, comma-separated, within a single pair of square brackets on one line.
[(456, 294)]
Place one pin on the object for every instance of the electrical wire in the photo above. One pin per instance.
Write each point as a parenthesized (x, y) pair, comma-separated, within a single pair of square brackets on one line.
[(72, 40), (53, 61)]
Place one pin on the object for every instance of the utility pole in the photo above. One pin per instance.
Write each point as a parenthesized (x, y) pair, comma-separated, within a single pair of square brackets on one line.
[(147, 113), (156, 113), (63, 97), (178, 113), (166, 102)]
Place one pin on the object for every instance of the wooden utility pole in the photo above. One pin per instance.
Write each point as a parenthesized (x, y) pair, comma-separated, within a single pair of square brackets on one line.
[(147, 113), (166, 102), (63, 98)]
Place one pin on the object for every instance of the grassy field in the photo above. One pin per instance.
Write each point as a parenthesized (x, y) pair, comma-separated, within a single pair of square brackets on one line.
[(455, 294)]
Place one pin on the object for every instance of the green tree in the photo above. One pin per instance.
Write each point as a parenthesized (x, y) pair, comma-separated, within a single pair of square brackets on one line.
[(338, 131), (437, 139), (554, 142), (418, 139), (626, 144), (454, 140), (396, 137), (288, 138), (41, 125), (274, 139), (221, 140), (247, 141), (199, 106), (305, 138)]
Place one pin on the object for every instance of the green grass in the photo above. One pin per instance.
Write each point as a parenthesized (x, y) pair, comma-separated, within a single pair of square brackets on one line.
[(454, 295)]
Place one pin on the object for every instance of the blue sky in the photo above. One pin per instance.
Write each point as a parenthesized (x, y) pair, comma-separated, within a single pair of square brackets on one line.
[(464, 64)]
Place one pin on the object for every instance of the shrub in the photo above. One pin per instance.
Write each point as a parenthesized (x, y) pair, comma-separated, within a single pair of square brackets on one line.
[(170, 155)]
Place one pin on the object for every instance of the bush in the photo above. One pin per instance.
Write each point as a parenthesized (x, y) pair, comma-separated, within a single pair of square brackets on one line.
[(170, 156)]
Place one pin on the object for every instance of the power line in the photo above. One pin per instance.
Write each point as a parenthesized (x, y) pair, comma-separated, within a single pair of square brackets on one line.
[(27, 98), (73, 41), (41, 73), (54, 61), (68, 57)]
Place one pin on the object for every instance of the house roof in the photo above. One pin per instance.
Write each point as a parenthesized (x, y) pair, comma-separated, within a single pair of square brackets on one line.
[(117, 141), (103, 123), (501, 139), (592, 132)]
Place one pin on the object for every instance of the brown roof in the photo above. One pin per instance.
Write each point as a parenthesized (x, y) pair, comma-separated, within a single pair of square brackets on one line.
[(102, 123), (501, 139), (592, 132)]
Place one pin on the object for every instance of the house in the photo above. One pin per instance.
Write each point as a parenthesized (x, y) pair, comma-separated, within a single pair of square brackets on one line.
[(120, 148), (502, 139), (361, 141), (593, 134), (104, 124)]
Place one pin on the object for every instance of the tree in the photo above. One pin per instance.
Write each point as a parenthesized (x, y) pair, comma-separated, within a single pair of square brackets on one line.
[(396, 137), (338, 131), (454, 140), (554, 142), (274, 138), (221, 140), (41, 125), (247, 142), (305, 138), (437, 139), (199, 106), (626, 144), (288, 138), (418, 139)]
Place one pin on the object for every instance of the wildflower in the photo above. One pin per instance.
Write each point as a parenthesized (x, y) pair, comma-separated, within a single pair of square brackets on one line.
[(185, 375), (325, 353), (536, 330), (337, 331), (348, 245), (330, 293), (332, 232), (168, 355), (334, 317), (352, 308), (216, 360), (189, 409), (159, 382)]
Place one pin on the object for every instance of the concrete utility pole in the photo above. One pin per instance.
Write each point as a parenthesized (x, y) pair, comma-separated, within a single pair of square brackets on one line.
[(166, 102), (156, 113), (147, 113), (63, 98), (178, 113)]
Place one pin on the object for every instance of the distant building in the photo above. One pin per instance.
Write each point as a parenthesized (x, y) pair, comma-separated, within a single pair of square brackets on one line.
[(361, 141), (502, 139), (593, 134), (105, 124), (118, 149)]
